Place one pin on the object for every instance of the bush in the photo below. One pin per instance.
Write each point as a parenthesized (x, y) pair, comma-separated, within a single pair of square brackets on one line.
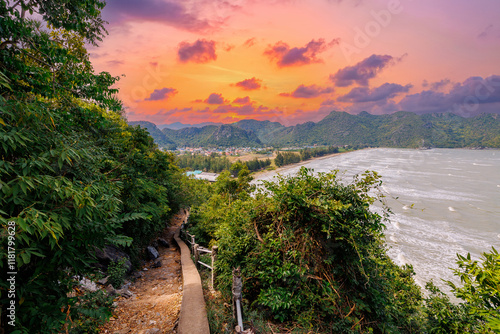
[(311, 252), (116, 272)]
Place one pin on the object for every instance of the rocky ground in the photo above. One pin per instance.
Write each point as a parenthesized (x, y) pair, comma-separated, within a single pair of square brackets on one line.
[(154, 301)]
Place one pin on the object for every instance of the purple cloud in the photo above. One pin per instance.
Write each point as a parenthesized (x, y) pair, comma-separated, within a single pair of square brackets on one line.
[(308, 92), (161, 94), (171, 13), (286, 56), (473, 96), (246, 110), (201, 51), (365, 94), (328, 103), (363, 71), (242, 100), (490, 32), (214, 99), (249, 84)]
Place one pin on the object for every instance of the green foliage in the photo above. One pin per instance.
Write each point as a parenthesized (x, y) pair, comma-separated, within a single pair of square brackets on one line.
[(213, 164), (480, 295), (73, 175), (213, 136), (159, 137), (116, 272), (311, 252), (286, 158), (92, 310)]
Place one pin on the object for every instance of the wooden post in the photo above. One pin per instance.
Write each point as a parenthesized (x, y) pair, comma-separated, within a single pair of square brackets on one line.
[(237, 288), (214, 258), (192, 242), (196, 256)]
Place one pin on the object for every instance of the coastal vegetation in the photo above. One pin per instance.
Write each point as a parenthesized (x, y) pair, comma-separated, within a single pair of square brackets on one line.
[(75, 177), (313, 259), (216, 164)]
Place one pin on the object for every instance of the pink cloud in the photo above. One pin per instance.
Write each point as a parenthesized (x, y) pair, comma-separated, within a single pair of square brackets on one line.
[(287, 56), (308, 92), (172, 13), (250, 42), (381, 93), (161, 94), (215, 99), (249, 84), (363, 71), (201, 51), (242, 100)]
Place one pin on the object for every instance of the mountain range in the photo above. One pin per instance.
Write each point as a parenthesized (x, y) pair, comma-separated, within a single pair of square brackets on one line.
[(401, 129)]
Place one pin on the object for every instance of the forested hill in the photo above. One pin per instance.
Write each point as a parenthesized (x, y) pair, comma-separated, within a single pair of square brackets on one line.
[(401, 129), (159, 137), (209, 135)]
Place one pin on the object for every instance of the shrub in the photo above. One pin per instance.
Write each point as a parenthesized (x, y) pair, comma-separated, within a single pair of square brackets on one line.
[(312, 252), (116, 272)]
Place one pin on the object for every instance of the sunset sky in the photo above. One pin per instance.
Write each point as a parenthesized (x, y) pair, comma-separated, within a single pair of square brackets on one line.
[(294, 61)]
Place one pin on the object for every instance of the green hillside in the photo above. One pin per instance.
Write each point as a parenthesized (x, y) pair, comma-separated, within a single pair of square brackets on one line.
[(160, 139), (211, 135), (401, 129)]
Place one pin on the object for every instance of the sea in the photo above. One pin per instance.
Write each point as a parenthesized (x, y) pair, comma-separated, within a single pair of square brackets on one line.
[(444, 202)]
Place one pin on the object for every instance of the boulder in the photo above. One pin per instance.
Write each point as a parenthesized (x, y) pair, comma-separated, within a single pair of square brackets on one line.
[(162, 242), (152, 253), (157, 264), (111, 253)]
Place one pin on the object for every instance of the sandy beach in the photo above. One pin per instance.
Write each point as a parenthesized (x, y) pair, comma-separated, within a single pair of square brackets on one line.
[(266, 173)]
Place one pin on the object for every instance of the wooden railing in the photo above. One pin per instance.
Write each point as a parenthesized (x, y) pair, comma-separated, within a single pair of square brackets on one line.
[(196, 250)]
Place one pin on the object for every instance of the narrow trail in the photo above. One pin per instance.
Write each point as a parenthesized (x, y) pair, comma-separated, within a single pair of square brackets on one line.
[(156, 301)]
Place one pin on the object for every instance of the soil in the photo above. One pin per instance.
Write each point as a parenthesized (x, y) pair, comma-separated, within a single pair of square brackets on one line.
[(156, 301)]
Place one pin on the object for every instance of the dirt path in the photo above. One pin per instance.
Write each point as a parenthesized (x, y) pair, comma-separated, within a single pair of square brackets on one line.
[(156, 301)]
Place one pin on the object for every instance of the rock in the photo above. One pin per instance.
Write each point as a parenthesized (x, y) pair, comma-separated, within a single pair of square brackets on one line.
[(125, 293), (157, 264), (122, 331), (162, 242), (137, 274), (111, 291), (152, 253), (111, 253), (88, 285), (103, 281)]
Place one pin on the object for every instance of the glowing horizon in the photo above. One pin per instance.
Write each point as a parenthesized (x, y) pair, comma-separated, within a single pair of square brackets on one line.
[(296, 61)]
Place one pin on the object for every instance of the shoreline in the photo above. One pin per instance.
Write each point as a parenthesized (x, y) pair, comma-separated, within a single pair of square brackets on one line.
[(261, 174)]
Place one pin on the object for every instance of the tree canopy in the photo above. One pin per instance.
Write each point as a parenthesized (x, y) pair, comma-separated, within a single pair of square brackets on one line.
[(74, 176)]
